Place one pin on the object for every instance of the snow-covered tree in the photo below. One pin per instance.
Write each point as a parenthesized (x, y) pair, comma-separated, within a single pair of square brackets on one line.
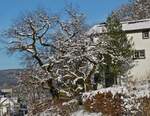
[(120, 48), (134, 10), (28, 36), (59, 51)]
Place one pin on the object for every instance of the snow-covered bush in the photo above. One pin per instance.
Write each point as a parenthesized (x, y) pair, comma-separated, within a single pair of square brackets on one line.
[(107, 101), (118, 101)]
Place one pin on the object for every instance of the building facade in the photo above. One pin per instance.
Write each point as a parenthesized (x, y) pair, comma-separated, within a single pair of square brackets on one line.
[(139, 33)]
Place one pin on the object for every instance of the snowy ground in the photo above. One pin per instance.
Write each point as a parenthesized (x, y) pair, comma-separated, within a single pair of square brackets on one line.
[(84, 113), (139, 91)]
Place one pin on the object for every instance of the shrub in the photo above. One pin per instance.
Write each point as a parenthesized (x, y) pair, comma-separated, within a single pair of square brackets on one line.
[(105, 103), (145, 106), (116, 103)]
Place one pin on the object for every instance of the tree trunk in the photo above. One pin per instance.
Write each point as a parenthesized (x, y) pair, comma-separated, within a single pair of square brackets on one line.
[(88, 84)]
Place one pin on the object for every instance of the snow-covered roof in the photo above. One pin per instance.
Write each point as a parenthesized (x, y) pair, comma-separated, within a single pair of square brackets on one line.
[(99, 28), (136, 25), (126, 26)]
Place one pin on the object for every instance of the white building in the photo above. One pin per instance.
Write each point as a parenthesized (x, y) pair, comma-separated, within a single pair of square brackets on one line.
[(10, 90), (139, 31), (7, 105)]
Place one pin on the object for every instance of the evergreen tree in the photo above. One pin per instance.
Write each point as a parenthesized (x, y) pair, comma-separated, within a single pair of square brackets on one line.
[(119, 50)]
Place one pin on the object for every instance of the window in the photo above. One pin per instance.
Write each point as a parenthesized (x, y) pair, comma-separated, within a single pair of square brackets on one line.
[(145, 34), (139, 54)]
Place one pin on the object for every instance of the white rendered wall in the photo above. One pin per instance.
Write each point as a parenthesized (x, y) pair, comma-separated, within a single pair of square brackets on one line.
[(141, 70)]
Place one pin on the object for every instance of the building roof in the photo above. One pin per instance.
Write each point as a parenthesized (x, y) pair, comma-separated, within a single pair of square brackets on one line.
[(135, 25), (100, 28)]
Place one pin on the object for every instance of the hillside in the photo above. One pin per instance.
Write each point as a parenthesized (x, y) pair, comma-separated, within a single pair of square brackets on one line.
[(8, 77)]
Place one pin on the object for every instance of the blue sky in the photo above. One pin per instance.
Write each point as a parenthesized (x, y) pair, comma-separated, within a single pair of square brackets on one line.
[(95, 10)]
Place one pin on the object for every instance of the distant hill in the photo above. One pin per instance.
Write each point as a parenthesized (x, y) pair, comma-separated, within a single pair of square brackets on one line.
[(8, 77)]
